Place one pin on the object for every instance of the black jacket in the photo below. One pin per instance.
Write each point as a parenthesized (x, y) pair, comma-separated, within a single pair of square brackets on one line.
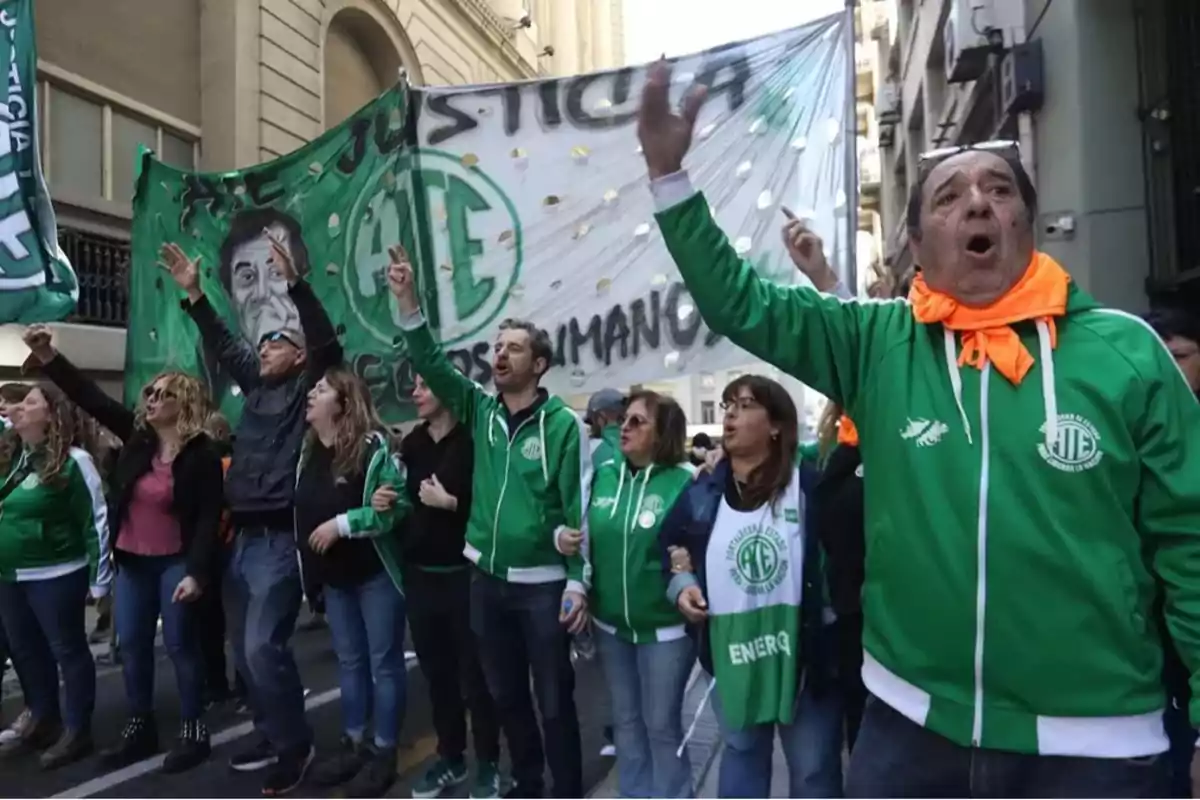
[(838, 522), (434, 537), (196, 471), (266, 442), (689, 524)]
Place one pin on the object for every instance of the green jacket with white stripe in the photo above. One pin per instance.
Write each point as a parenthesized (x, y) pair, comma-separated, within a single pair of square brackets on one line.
[(48, 530), (530, 482), (626, 509), (1015, 534)]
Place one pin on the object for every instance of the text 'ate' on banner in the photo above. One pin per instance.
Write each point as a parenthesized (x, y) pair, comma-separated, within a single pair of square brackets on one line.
[(37, 283), (515, 200)]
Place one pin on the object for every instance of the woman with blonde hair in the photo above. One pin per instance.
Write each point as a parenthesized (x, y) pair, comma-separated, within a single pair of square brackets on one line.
[(353, 551), (53, 546), (165, 545)]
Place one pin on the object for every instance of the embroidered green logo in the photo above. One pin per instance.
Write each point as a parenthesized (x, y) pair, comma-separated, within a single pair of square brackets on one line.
[(758, 559), (791, 515)]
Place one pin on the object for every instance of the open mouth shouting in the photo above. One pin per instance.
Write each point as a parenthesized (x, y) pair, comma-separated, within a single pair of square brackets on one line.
[(981, 245)]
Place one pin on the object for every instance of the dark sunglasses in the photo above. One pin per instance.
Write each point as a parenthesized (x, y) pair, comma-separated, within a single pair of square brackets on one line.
[(155, 393), (276, 336), (633, 421), (1002, 147)]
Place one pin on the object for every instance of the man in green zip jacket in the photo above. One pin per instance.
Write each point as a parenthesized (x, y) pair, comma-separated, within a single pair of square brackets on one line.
[(531, 479), (1035, 467)]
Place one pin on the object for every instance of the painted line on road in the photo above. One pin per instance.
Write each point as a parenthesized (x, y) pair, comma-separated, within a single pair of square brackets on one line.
[(107, 781)]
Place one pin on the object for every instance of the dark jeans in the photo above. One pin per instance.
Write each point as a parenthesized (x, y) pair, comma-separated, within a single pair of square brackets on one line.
[(518, 631), (265, 579), (47, 633), (366, 623), (1183, 747), (895, 757), (144, 588), (439, 614)]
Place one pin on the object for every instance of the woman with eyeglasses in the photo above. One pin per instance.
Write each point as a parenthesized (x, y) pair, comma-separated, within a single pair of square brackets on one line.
[(166, 491), (754, 595), (53, 553), (640, 635)]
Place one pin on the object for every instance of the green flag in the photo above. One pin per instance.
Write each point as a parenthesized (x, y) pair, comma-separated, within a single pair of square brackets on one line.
[(36, 281)]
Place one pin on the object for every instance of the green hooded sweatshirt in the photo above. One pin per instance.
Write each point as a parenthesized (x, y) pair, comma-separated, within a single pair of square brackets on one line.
[(383, 468), (629, 594), (1014, 532), (607, 445), (529, 483), (52, 530)]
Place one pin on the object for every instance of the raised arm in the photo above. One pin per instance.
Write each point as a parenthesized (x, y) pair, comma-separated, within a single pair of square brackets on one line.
[(323, 348), (455, 390), (82, 390), (236, 357), (812, 336)]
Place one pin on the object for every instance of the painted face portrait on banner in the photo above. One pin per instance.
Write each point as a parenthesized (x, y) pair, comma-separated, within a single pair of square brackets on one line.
[(257, 290)]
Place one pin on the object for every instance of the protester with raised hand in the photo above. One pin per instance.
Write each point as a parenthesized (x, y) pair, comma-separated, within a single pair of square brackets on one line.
[(260, 489), (642, 642), (167, 493), (53, 547), (752, 591), (1005, 401), (532, 473), (357, 554)]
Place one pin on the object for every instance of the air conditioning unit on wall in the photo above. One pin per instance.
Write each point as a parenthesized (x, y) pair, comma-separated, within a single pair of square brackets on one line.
[(974, 31)]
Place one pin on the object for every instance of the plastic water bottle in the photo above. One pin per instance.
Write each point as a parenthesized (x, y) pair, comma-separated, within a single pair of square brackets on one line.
[(583, 646)]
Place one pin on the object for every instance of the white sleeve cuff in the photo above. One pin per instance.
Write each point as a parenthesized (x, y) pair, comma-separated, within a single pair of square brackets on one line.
[(575, 586), (410, 322), (671, 190), (99, 592), (343, 525), (557, 533)]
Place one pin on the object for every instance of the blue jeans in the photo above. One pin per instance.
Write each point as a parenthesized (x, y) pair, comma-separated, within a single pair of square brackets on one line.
[(646, 683), (366, 623), (46, 631), (143, 593), (896, 757), (265, 579), (519, 633), (812, 747)]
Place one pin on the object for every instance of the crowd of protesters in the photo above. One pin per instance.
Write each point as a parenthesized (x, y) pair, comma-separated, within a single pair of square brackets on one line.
[(978, 580)]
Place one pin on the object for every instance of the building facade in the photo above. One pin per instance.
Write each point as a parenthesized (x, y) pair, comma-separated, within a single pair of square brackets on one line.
[(223, 84), (1102, 95)]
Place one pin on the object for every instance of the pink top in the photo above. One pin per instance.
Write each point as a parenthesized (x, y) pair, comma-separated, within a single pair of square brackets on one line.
[(149, 527)]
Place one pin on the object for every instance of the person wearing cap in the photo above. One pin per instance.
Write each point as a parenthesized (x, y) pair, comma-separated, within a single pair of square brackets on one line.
[(603, 418), (265, 572), (1031, 476)]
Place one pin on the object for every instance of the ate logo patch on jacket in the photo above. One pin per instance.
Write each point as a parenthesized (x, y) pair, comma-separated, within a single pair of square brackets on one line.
[(1077, 446), (531, 448), (758, 559), (652, 509)]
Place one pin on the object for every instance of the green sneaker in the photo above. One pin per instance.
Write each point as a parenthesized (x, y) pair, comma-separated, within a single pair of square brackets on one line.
[(487, 780), (442, 775)]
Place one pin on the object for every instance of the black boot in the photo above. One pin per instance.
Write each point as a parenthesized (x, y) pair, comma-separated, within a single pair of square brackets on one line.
[(139, 740), (192, 749)]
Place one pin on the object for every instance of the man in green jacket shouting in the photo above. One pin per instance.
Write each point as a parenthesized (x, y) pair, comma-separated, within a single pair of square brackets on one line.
[(1032, 472), (530, 483)]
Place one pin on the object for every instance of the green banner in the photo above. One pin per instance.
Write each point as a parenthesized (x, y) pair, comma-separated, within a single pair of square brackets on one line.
[(36, 281), (222, 219)]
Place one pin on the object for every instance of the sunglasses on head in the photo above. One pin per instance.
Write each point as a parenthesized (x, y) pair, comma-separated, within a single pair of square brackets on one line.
[(276, 336), (1001, 147)]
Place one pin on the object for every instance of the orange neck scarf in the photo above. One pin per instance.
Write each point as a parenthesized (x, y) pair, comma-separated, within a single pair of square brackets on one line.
[(847, 433), (1040, 295)]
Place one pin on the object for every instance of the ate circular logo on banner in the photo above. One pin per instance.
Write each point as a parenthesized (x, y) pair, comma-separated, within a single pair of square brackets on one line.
[(461, 231)]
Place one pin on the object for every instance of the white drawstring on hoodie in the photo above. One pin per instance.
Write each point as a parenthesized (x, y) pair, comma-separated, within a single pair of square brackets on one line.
[(541, 438), (1045, 363)]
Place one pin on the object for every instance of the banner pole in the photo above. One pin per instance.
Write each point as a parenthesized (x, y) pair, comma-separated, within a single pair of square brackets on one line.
[(851, 152)]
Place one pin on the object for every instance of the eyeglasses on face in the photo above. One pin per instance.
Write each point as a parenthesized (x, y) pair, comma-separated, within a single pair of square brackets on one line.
[(740, 404), (276, 336), (158, 393), (634, 421)]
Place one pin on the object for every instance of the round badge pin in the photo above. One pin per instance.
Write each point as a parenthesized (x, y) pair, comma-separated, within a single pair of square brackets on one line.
[(646, 519)]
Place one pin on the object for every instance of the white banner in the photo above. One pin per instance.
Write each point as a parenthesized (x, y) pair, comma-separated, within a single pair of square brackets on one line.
[(541, 210)]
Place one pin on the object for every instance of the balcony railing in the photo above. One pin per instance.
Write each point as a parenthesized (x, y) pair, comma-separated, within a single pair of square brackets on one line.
[(102, 265)]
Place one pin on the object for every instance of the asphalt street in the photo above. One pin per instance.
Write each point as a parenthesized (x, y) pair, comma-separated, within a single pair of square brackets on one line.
[(23, 778)]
